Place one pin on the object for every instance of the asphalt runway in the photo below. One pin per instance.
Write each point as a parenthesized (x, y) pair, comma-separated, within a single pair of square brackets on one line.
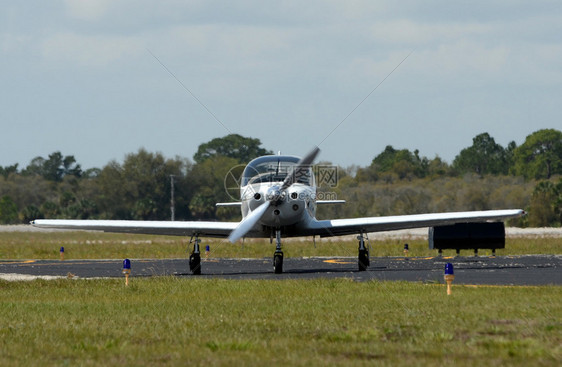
[(501, 270)]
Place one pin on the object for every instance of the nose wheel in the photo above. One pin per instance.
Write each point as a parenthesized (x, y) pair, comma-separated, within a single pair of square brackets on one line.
[(278, 256), (278, 262)]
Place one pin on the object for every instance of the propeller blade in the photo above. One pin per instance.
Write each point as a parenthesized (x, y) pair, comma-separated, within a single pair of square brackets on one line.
[(305, 162), (248, 223)]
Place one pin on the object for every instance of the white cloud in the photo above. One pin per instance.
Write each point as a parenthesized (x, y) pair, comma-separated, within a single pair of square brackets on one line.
[(88, 9), (411, 32), (14, 43), (466, 56), (98, 51)]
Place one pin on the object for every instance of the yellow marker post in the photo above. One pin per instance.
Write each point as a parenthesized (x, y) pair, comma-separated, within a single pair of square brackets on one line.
[(126, 270), (449, 277)]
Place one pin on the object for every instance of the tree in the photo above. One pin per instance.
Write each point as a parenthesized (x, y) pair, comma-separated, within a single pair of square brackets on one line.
[(91, 173), (31, 212), (510, 154), (8, 210), (540, 156), (50, 209), (35, 167), (208, 179), (546, 205), (437, 167), (6, 171), (54, 168), (485, 156), (234, 146), (140, 187), (403, 163)]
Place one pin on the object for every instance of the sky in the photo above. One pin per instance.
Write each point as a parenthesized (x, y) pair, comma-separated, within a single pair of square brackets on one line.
[(99, 79)]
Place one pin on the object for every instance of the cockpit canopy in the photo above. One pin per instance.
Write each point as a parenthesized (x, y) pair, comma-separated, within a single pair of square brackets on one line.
[(275, 168)]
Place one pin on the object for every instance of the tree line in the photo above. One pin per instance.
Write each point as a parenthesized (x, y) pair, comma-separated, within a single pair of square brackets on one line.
[(539, 157), (398, 181)]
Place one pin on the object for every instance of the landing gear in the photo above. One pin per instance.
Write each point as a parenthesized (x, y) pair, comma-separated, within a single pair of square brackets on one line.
[(363, 259), (278, 262), (195, 257), (278, 256)]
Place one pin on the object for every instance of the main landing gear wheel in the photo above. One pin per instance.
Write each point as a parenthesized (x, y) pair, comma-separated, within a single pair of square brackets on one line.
[(363, 258), (278, 262), (195, 264), (195, 258)]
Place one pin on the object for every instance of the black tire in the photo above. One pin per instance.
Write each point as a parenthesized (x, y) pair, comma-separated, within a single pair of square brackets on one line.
[(363, 260), (278, 263), (195, 264)]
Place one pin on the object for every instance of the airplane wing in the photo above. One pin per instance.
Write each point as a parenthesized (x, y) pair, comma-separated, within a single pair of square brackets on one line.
[(339, 227), (204, 229), (322, 228)]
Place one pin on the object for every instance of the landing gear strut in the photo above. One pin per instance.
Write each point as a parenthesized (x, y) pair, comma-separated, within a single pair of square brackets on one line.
[(363, 259), (195, 257), (278, 256)]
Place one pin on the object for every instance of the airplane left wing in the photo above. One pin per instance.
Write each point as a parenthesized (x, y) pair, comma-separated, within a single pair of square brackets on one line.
[(204, 228), (339, 227)]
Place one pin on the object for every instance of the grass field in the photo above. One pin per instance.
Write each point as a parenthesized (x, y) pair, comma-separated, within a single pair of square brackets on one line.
[(178, 321), (95, 245), (185, 321)]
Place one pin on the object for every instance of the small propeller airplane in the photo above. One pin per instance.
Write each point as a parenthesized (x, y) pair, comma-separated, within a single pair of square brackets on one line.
[(278, 199)]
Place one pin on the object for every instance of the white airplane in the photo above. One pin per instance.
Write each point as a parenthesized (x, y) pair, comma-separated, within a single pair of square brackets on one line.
[(278, 199)]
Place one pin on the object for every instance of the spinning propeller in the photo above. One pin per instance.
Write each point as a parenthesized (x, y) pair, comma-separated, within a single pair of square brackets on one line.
[(274, 193)]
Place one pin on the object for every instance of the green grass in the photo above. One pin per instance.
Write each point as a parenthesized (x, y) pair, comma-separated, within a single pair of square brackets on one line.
[(179, 321), (185, 321), (96, 245)]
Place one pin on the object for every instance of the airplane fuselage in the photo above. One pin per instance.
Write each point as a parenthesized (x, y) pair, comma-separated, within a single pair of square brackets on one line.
[(298, 205), (262, 182)]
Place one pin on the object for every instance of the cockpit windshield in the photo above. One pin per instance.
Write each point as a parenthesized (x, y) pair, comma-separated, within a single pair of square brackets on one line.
[(275, 168)]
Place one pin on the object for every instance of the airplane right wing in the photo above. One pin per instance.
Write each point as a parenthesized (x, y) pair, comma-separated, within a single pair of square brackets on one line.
[(177, 228)]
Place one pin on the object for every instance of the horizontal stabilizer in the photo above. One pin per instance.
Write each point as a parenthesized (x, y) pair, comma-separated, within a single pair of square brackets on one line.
[(319, 202), (235, 203)]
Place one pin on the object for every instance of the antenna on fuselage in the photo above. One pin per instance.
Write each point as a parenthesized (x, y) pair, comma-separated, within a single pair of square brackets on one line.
[(278, 164)]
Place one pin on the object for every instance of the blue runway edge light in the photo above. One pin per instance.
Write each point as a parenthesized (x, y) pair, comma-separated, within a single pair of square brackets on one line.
[(406, 247), (126, 264), (449, 269), (62, 249)]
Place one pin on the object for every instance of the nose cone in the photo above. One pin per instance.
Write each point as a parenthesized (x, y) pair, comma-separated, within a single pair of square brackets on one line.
[(274, 194)]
